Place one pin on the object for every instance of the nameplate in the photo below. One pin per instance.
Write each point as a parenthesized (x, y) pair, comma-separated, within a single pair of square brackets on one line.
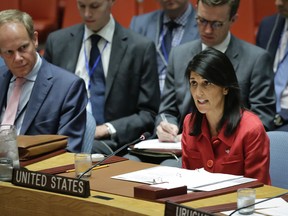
[(174, 209), (152, 192), (52, 183)]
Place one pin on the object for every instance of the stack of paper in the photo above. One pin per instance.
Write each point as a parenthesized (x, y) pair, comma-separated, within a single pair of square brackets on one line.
[(193, 179)]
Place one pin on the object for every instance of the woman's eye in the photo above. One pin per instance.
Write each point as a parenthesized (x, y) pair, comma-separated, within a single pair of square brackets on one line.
[(193, 83), (206, 83)]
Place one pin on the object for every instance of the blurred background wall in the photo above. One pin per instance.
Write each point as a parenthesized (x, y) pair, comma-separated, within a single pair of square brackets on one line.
[(50, 15)]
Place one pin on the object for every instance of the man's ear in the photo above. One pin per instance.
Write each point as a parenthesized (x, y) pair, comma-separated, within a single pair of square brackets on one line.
[(235, 17), (35, 39)]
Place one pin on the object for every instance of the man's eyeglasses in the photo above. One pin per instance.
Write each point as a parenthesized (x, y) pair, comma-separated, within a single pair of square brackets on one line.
[(213, 24)]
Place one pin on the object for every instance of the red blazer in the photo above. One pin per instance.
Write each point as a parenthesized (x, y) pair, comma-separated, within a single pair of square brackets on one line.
[(245, 153)]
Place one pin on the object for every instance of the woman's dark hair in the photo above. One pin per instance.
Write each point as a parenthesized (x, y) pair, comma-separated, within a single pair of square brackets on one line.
[(216, 67)]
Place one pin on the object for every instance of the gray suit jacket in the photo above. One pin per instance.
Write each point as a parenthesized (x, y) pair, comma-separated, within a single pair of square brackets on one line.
[(57, 104), (132, 95), (253, 67), (150, 25)]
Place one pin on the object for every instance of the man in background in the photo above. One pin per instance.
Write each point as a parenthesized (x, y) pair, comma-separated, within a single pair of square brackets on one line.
[(119, 68), (174, 24), (36, 96), (273, 36)]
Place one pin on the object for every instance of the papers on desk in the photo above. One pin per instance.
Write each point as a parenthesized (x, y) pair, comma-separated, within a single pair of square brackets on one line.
[(155, 144), (193, 179), (275, 207)]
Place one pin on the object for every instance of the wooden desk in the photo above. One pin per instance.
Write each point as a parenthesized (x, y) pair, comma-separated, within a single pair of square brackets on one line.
[(24, 201)]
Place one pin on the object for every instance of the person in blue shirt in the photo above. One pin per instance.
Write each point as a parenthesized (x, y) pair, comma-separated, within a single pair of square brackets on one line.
[(155, 26), (273, 36)]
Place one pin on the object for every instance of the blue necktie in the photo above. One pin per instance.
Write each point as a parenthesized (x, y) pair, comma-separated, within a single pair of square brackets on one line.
[(171, 25), (97, 81), (281, 80)]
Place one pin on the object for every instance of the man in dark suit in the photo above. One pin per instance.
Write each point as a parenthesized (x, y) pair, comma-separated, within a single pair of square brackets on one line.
[(253, 67), (155, 25), (129, 73), (52, 100), (273, 36)]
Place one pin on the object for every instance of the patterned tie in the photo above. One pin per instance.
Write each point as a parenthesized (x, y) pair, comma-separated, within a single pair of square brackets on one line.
[(171, 25), (11, 109), (281, 76), (97, 81)]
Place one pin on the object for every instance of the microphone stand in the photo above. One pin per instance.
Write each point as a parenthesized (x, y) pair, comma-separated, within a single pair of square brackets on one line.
[(143, 137)]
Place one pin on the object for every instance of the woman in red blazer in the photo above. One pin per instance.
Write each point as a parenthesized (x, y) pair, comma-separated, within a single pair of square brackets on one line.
[(219, 134)]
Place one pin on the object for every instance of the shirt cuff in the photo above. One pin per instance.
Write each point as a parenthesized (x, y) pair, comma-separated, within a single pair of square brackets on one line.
[(111, 130)]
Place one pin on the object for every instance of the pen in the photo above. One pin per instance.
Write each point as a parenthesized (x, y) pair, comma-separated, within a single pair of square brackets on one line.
[(163, 117), (95, 168)]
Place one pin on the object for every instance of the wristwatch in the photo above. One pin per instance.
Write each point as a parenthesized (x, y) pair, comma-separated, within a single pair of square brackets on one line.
[(278, 120)]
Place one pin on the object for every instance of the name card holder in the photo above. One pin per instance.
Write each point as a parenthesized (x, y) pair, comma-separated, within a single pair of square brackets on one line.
[(174, 209), (150, 192), (51, 183)]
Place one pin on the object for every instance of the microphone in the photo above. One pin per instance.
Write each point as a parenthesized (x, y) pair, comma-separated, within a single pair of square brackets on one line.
[(279, 195), (143, 137)]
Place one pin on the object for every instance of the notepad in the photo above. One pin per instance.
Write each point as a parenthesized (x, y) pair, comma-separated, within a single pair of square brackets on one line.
[(156, 144)]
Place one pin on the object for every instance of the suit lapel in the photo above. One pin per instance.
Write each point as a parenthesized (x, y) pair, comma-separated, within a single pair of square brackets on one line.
[(191, 29), (233, 52), (276, 35), (39, 92), (4, 83), (118, 50), (73, 48), (154, 31)]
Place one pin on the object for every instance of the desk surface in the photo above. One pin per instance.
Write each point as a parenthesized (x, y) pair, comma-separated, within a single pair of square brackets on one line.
[(24, 201)]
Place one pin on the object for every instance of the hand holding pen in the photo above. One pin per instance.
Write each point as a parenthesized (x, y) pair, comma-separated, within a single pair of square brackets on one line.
[(166, 131)]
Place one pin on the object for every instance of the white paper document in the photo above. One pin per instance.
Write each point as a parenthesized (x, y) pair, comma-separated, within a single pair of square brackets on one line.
[(275, 207), (193, 179), (156, 144)]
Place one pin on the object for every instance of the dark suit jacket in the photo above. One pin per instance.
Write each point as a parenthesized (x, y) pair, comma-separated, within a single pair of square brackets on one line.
[(269, 33), (253, 67), (132, 95), (57, 104)]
